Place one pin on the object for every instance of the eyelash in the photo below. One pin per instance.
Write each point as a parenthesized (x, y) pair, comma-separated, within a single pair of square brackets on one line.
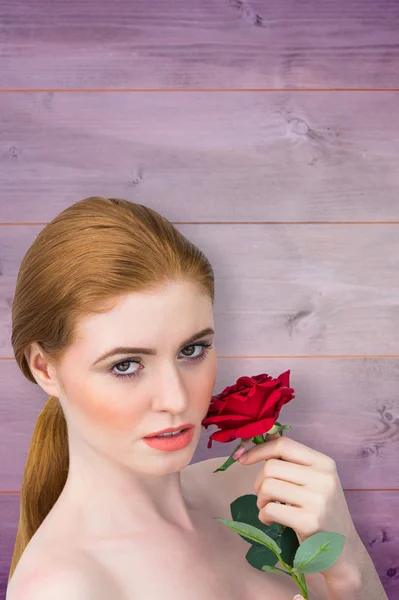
[(205, 346)]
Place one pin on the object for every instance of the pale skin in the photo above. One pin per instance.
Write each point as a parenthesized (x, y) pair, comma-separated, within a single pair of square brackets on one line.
[(132, 521)]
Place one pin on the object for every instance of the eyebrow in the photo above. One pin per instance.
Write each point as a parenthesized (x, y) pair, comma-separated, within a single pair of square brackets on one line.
[(151, 351)]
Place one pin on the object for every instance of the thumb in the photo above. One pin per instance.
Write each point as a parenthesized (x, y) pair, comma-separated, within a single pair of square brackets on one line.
[(299, 597)]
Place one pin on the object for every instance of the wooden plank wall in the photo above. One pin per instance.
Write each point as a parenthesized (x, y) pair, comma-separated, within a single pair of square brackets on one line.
[(267, 132)]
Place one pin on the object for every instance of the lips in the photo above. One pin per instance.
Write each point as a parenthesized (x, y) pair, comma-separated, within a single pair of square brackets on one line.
[(170, 429)]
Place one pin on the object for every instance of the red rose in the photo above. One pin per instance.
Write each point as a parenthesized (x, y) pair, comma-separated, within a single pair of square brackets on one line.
[(248, 408)]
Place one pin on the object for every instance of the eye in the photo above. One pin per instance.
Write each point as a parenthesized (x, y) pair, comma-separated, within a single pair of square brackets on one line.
[(205, 347)]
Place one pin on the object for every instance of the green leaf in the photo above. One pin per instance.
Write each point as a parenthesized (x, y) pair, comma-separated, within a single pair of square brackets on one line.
[(275, 570), (318, 552), (253, 533), (259, 556), (289, 544), (230, 461), (244, 509)]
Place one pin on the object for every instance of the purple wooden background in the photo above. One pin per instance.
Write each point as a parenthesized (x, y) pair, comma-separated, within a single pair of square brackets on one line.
[(268, 134)]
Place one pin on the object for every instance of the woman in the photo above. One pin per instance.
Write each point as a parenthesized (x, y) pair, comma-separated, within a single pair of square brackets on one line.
[(107, 509)]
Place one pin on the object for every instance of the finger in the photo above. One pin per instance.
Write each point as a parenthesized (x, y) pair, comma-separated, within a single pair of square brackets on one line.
[(290, 516), (287, 449), (272, 436), (244, 445), (287, 471), (275, 490), (247, 443)]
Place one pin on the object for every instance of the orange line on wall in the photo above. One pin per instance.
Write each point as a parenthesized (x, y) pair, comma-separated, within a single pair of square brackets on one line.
[(203, 90)]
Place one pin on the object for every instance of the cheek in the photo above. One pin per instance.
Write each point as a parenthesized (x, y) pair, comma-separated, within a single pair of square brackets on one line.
[(113, 416), (114, 410)]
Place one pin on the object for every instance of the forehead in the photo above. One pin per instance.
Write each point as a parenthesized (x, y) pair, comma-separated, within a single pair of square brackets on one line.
[(175, 311)]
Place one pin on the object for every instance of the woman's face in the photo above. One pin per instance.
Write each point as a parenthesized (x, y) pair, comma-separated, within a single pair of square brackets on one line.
[(110, 404)]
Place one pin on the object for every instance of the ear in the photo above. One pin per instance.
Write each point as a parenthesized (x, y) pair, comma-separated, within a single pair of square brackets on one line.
[(42, 370)]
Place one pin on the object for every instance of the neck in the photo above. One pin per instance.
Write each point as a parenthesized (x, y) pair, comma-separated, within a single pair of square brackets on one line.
[(109, 500)]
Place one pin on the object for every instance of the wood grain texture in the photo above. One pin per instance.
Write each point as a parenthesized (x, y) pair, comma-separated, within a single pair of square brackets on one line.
[(344, 408), (280, 289), (321, 300), (199, 44), (217, 157)]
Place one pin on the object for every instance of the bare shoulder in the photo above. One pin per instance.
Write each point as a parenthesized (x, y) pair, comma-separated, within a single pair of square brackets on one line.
[(61, 582), (49, 577)]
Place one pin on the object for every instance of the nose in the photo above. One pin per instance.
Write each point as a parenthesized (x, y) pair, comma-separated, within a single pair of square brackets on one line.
[(172, 395)]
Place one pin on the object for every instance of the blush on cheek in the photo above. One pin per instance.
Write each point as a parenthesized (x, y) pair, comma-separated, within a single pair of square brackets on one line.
[(105, 412), (99, 408)]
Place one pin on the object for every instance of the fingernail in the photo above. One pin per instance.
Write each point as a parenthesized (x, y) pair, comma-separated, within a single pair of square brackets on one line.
[(243, 457), (238, 453), (298, 597)]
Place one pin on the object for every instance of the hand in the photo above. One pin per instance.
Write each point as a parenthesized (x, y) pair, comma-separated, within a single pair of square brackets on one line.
[(307, 482)]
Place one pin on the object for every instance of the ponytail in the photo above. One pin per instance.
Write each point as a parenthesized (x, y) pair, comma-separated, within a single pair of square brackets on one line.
[(86, 258), (45, 474)]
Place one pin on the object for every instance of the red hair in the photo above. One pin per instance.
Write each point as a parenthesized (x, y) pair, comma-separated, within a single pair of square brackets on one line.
[(88, 255)]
